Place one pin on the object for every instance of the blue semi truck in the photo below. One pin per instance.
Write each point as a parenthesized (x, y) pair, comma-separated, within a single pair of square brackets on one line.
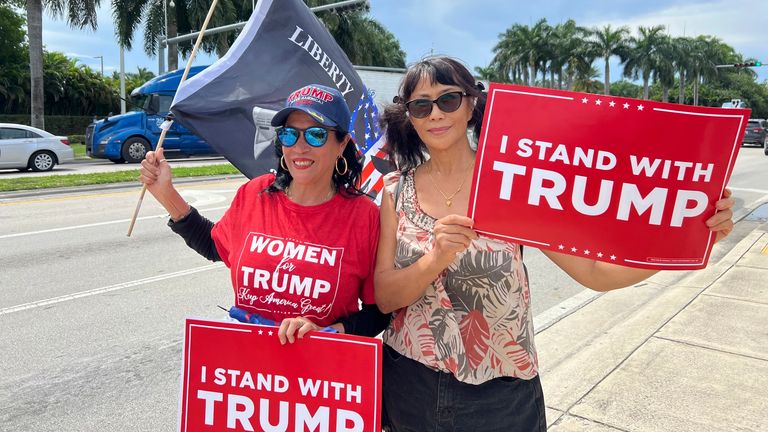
[(128, 137)]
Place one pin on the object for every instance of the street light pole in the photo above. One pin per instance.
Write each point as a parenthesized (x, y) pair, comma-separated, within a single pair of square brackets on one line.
[(101, 57), (162, 42)]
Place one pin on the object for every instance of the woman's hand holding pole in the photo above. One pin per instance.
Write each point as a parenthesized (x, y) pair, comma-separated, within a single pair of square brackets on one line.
[(156, 176)]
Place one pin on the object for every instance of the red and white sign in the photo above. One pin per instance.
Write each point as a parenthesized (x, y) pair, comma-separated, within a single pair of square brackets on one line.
[(613, 179), (237, 377)]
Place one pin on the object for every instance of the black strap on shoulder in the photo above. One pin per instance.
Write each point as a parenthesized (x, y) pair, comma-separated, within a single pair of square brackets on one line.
[(399, 188)]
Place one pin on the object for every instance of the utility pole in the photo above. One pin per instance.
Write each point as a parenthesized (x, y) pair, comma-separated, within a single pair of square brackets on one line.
[(101, 57), (122, 80)]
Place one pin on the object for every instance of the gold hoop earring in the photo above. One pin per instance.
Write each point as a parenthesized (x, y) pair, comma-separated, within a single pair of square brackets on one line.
[(346, 166), (282, 163)]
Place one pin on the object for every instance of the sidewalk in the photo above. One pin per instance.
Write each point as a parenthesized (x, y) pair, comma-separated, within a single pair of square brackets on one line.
[(689, 356)]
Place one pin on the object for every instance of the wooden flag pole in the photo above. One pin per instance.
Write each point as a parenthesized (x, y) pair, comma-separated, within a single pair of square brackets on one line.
[(170, 119)]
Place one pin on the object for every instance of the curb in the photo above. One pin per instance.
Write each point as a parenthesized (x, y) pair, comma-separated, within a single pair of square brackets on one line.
[(110, 186)]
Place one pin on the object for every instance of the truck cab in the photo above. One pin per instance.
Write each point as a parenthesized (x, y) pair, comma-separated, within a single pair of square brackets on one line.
[(734, 103), (128, 137)]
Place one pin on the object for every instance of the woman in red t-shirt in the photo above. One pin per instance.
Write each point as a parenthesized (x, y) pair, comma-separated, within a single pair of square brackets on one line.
[(300, 243)]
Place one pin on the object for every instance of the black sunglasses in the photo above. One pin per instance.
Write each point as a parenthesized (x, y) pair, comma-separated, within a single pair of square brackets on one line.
[(447, 102), (315, 136)]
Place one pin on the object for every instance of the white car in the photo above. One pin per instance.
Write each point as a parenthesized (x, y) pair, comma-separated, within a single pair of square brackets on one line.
[(25, 147)]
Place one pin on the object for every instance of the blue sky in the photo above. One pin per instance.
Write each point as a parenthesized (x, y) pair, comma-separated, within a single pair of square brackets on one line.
[(469, 29)]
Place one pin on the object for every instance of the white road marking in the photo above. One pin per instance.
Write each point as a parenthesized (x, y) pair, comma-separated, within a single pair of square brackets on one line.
[(95, 224), (106, 289)]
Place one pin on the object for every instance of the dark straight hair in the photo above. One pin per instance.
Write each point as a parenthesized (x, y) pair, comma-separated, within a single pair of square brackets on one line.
[(348, 183), (404, 146)]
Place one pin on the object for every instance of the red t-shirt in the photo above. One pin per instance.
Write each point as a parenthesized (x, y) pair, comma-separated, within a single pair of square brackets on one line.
[(288, 260)]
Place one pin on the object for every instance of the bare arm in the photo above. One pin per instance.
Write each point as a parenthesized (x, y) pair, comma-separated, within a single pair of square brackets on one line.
[(603, 276), (398, 288), (598, 275)]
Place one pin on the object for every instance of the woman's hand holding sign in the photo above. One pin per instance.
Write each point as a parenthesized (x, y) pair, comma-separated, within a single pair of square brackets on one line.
[(453, 234), (722, 221), (290, 328)]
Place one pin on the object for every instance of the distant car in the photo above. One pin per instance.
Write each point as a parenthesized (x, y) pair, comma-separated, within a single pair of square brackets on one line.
[(756, 132), (25, 147)]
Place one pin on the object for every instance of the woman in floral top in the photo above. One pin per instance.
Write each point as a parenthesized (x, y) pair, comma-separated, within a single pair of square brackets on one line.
[(459, 351)]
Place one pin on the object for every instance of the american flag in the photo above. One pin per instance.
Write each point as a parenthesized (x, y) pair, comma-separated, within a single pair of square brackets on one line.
[(371, 145)]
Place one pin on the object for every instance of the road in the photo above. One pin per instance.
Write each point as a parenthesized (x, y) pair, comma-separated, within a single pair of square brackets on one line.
[(92, 320)]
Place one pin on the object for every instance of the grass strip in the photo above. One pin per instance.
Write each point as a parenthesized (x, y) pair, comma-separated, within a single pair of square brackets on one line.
[(70, 180), (79, 150)]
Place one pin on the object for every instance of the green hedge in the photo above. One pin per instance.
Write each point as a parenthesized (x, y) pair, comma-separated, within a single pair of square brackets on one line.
[(76, 139), (57, 125)]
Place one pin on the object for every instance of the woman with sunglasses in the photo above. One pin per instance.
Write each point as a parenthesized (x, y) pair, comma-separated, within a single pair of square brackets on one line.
[(301, 243), (459, 351)]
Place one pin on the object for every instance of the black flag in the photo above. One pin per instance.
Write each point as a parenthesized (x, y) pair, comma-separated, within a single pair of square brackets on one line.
[(282, 48)]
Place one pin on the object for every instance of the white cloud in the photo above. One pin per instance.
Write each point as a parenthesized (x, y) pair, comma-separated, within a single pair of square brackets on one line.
[(739, 23)]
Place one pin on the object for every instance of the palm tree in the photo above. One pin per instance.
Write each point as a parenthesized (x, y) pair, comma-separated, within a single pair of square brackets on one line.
[(522, 46), (644, 55), (574, 53), (183, 17), (541, 50), (707, 52), (664, 69), (508, 56), (588, 82), (608, 42), (79, 13), (683, 53), (490, 74), (365, 41)]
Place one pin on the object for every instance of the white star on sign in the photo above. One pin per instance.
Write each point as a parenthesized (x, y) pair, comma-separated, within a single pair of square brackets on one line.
[(573, 249), (626, 105), (613, 257), (261, 332), (598, 102), (584, 100), (561, 247), (640, 107), (599, 254), (270, 333), (612, 104), (586, 251)]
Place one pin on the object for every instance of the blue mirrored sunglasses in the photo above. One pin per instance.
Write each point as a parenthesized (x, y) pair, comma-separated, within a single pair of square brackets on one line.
[(315, 136)]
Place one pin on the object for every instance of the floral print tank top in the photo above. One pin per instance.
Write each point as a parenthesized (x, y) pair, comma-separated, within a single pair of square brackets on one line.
[(474, 320)]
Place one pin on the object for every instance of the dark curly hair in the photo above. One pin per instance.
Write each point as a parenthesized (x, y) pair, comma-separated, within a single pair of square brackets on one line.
[(348, 183), (404, 146)]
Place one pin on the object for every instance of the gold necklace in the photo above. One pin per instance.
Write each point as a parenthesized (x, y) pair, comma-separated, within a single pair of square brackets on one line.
[(327, 197), (449, 198)]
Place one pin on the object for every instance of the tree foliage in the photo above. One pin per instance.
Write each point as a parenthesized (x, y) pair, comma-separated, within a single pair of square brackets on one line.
[(69, 88), (566, 52), (363, 39)]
